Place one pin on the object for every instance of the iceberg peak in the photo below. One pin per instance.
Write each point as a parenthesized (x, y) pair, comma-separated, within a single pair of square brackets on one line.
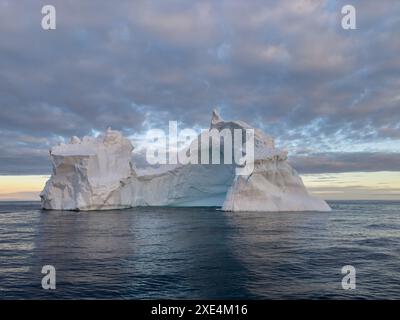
[(215, 118)]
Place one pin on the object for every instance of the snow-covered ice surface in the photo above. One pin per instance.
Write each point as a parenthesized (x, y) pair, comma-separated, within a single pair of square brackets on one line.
[(98, 174)]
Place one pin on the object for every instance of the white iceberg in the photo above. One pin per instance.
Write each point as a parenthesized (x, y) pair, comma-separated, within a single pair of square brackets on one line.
[(98, 174)]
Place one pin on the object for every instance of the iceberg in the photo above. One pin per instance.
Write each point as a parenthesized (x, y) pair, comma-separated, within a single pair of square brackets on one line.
[(98, 173)]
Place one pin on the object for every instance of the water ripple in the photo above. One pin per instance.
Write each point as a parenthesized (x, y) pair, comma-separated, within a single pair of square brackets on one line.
[(148, 253)]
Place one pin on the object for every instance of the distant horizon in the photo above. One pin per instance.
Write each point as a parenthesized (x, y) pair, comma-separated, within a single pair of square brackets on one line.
[(327, 186)]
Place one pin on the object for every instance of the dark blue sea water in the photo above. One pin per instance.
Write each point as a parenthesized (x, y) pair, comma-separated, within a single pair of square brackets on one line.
[(147, 253)]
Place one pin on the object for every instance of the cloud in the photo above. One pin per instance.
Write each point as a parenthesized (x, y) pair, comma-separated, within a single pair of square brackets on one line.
[(346, 162), (285, 66)]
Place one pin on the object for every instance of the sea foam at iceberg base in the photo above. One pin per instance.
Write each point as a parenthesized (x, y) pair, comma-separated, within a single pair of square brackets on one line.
[(97, 173)]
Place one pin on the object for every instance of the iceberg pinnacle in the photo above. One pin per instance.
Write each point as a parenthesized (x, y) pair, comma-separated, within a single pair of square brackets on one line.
[(215, 118), (97, 173)]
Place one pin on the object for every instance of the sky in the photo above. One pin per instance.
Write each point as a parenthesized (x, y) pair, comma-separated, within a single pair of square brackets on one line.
[(330, 96)]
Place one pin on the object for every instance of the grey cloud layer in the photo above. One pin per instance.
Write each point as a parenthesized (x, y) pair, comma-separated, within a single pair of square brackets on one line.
[(346, 162), (286, 66)]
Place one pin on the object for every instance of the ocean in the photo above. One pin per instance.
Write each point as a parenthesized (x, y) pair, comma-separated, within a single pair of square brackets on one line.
[(201, 253)]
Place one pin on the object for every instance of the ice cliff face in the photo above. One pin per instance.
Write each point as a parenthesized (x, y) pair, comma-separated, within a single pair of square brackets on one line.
[(89, 174), (98, 174)]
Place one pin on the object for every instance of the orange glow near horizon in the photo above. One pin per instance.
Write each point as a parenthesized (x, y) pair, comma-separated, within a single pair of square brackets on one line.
[(329, 186), (21, 187), (383, 185)]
